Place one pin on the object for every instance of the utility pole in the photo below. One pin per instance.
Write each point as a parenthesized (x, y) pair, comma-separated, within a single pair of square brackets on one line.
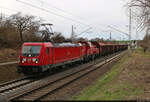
[(130, 24), (136, 34), (1, 16), (110, 36), (72, 34)]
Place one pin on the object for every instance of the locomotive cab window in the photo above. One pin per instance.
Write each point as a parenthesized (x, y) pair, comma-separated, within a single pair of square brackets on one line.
[(31, 50)]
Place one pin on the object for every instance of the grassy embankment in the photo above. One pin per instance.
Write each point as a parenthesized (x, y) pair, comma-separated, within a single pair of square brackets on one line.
[(9, 72), (122, 82)]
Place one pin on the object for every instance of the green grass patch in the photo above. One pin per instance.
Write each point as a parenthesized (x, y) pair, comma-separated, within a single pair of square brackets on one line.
[(139, 52), (105, 88)]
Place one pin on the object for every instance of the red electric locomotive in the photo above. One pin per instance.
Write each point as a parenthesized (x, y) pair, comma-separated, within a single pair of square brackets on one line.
[(42, 56)]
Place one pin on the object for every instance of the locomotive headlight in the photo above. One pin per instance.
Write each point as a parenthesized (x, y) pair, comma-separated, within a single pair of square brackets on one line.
[(37, 61), (34, 59), (23, 59)]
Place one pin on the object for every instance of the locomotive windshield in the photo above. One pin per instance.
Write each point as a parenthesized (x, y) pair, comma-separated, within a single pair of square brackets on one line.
[(32, 50)]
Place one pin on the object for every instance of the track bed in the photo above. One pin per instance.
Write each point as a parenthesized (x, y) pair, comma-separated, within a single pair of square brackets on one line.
[(44, 88)]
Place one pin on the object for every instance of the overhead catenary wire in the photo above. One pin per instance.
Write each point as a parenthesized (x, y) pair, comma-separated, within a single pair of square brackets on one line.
[(118, 30), (62, 10), (68, 18), (39, 16), (20, 11), (31, 5), (48, 11), (84, 31), (43, 19)]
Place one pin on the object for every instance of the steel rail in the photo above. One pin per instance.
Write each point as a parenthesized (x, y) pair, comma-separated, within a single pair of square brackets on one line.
[(15, 85), (96, 66), (12, 81), (74, 79), (8, 63), (55, 79), (16, 92)]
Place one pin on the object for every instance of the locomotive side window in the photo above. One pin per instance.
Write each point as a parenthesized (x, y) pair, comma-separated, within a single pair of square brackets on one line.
[(47, 50)]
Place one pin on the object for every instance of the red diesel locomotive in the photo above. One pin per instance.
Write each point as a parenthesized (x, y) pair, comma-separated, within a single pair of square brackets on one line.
[(42, 56)]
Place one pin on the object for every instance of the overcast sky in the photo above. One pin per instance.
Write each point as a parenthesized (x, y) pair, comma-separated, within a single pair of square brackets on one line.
[(97, 14)]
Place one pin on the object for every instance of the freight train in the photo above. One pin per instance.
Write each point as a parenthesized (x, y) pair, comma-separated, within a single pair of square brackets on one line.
[(38, 57)]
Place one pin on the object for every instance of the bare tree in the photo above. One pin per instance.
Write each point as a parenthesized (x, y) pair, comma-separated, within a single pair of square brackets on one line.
[(142, 13), (141, 10), (24, 23), (58, 37), (16, 28)]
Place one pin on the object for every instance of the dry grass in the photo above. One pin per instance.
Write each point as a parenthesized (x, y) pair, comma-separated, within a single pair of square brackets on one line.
[(8, 54), (9, 72)]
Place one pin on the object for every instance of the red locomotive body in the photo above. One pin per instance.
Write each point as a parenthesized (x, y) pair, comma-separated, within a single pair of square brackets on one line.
[(91, 50), (62, 53), (39, 57)]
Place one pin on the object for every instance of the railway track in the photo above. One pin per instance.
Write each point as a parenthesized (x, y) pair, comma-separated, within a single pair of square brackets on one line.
[(36, 90), (13, 81), (50, 88), (8, 63), (14, 84)]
